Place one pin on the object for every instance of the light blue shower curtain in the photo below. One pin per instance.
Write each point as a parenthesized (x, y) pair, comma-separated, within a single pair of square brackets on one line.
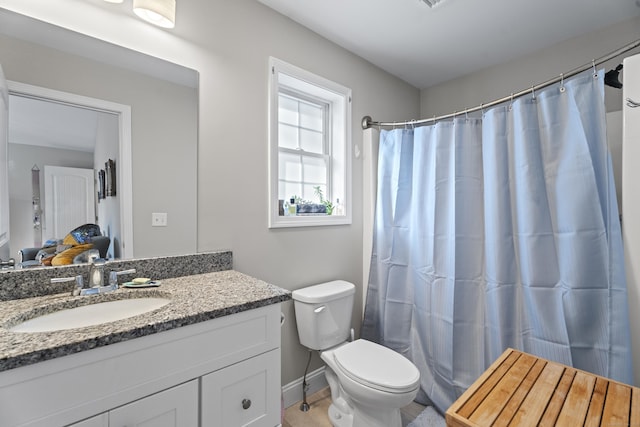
[(497, 232)]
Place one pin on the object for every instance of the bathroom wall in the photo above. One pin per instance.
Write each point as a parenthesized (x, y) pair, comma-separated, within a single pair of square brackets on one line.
[(229, 43), (108, 209), (530, 69)]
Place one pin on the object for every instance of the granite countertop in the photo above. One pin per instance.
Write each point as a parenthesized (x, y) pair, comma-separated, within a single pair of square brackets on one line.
[(194, 299)]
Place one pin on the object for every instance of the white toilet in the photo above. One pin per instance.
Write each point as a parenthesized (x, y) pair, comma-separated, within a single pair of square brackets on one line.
[(369, 383)]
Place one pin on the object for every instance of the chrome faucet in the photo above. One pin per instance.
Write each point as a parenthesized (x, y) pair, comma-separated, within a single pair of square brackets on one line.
[(96, 270)]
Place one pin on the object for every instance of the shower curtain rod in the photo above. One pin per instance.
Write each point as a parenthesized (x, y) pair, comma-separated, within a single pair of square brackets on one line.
[(367, 122)]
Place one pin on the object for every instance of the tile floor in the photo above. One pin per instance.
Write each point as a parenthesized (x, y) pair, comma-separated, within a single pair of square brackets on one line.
[(317, 416)]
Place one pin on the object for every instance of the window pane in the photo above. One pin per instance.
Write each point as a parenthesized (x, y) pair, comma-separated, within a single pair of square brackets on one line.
[(315, 170), (310, 193), (287, 136), (311, 141), (311, 116), (309, 189), (286, 190), (287, 110), (290, 167)]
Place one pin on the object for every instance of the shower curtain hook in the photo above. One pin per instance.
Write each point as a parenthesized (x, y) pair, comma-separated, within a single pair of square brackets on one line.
[(511, 102), (466, 115), (562, 89), (593, 64), (482, 109), (533, 93)]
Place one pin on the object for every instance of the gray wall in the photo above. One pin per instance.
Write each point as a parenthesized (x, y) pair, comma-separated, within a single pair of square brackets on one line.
[(501, 80), (229, 43), (108, 209)]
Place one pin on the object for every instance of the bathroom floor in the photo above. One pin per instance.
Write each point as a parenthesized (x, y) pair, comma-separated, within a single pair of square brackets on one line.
[(319, 403)]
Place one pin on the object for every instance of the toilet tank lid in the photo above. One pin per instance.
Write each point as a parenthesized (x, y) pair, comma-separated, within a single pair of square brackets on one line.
[(324, 292)]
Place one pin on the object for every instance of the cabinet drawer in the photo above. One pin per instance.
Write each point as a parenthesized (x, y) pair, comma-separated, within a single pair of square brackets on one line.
[(244, 394), (175, 407), (101, 420)]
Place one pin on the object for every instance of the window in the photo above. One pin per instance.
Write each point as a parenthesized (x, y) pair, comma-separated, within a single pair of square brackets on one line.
[(309, 149)]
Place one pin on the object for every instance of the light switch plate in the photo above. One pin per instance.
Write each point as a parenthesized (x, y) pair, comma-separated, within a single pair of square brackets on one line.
[(159, 219)]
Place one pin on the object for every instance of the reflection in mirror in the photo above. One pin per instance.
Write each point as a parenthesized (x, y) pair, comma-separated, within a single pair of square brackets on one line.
[(159, 174), (58, 146)]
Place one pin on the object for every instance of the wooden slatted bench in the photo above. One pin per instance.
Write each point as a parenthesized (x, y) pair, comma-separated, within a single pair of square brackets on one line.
[(520, 389)]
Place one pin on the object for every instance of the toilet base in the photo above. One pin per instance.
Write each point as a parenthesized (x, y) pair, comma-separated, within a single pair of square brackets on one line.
[(345, 412), (364, 417), (339, 418)]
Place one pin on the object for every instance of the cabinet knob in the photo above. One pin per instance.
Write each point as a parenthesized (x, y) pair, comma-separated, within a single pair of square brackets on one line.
[(246, 403)]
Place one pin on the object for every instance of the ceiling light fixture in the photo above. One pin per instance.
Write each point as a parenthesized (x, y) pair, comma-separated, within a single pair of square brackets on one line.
[(432, 3), (158, 12)]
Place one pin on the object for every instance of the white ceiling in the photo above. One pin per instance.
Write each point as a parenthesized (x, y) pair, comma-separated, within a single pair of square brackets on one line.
[(50, 124), (427, 46)]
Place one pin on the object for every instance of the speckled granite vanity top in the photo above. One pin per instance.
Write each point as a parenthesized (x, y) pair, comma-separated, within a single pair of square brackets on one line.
[(194, 298)]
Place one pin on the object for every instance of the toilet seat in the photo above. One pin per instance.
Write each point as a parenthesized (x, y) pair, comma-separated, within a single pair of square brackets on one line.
[(377, 367)]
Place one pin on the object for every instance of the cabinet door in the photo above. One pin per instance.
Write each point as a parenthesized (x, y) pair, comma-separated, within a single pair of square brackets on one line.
[(101, 420), (244, 394), (175, 407)]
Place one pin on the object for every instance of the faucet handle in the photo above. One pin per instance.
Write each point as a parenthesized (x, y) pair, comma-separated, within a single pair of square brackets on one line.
[(10, 263), (79, 283), (113, 275)]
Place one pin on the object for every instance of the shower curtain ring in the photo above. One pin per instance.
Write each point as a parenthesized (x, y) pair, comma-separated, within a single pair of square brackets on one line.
[(593, 64), (562, 83), (466, 115), (533, 93), (511, 102), (482, 109)]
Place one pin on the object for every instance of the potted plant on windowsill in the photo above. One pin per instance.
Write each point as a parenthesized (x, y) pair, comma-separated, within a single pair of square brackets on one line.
[(307, 208)]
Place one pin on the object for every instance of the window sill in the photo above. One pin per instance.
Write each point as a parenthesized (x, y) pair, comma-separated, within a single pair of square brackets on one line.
[(309, 221)]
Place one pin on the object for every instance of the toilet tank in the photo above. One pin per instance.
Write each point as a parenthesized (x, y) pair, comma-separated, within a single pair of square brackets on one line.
[(323, 313)]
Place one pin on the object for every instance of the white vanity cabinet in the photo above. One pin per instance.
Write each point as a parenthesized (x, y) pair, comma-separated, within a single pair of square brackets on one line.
[(241, 395), (101, 420), (206, 371), (175, 407)]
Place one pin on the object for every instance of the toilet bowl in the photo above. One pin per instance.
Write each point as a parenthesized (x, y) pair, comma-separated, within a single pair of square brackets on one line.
[(369, 382), (374, 381)]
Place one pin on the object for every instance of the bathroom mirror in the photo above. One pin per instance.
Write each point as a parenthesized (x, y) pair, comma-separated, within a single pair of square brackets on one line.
[(160, 174)]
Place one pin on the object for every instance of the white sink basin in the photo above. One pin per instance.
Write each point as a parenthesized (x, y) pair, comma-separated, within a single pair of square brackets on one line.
[(89, 315)]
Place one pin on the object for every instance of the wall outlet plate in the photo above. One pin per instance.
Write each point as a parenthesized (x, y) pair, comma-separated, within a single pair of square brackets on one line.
[(159, 219)]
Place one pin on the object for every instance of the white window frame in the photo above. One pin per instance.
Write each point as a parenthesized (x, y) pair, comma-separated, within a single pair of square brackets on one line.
[(282, 74)]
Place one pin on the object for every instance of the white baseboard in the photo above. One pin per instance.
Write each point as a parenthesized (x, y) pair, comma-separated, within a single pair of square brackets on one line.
[(292, 392)]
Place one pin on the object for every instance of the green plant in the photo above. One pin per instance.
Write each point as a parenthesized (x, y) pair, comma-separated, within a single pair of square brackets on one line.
[(327, 203)]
